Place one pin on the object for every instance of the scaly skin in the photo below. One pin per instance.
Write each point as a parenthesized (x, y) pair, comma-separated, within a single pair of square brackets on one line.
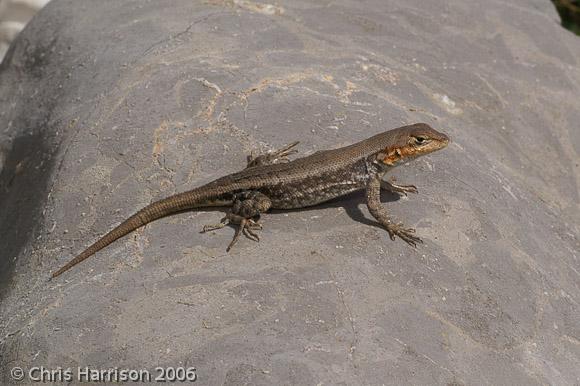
[(270, 181)]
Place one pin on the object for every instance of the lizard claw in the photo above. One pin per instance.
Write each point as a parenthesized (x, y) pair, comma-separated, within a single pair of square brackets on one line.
[(250, 234), (253, 224), (246, 226), (400, 189), (281, 155), (209, 228), (273, 157), (405, 234)]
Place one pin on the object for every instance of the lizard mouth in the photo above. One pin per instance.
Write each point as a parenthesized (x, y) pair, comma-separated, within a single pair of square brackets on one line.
[(412, 150)]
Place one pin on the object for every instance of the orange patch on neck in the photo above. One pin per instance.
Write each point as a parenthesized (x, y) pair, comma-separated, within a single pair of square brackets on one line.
[(390, 159), (397, 154)]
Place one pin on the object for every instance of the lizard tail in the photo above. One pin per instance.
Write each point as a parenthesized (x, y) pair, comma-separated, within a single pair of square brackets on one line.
[(153, 211)]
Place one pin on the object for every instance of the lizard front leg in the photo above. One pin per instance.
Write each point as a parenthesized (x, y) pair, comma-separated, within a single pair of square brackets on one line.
[(378, 211), (245, 213), (273, 157), (400, 189)]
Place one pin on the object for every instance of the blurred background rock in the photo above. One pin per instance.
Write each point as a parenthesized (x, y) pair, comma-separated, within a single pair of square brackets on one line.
[(569, 11), (14, 14)]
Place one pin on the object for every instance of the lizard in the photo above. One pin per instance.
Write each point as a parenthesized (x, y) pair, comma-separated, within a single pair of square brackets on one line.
[(272, 181)]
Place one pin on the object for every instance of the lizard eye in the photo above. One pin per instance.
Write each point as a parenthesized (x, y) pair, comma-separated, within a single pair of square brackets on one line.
[(421, 140)]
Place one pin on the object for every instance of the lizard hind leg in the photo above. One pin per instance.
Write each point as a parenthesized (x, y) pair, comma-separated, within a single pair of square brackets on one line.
[(273, 157), (245, 213)]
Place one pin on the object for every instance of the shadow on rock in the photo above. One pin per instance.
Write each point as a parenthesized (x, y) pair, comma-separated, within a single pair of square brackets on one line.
[(23, 191)]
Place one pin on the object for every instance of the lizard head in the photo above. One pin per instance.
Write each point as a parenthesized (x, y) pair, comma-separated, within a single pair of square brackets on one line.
[(409, 142)]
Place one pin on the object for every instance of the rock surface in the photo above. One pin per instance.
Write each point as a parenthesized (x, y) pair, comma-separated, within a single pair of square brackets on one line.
[(106, 106)]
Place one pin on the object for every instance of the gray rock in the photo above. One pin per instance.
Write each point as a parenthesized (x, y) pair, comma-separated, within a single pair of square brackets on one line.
[(106, 106)]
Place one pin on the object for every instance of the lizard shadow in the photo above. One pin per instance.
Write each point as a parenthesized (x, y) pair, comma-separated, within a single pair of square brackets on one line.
[(350, 202), (351, 205)]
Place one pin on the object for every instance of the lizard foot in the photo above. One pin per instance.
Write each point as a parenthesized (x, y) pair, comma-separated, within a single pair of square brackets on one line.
[(247, 226), (381, 215), (405, 234), (274, 157), (245, 213), (215, 227), (400, 189)]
